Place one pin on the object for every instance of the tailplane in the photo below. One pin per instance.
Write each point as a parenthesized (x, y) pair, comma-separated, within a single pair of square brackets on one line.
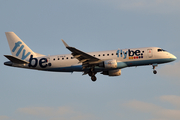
[(15, 59), (18, 48)]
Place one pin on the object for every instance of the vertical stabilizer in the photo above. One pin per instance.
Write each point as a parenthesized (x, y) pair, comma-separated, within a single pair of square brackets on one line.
[(18, 47)]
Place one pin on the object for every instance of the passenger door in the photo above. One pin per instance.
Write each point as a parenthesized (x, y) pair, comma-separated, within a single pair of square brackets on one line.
[(150, 53)]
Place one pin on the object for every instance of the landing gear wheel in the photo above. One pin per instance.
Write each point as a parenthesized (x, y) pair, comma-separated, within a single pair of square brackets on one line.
[(93, 78), (154, 66), (155, 72)]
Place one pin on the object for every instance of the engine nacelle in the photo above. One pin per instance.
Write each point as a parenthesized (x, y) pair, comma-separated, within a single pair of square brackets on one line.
[(109, 64), (116, 72)]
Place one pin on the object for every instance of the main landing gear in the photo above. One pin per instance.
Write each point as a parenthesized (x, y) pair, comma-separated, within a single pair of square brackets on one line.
[(92, 73), (93, 78), (154, 66)]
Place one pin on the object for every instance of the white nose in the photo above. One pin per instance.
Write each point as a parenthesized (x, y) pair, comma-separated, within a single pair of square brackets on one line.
[(173, 57)]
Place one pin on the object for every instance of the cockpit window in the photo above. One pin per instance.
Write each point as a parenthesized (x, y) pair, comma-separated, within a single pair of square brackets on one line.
[(160, 50)]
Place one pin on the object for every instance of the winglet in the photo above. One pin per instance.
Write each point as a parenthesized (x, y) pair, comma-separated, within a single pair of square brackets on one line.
[(65, 43)]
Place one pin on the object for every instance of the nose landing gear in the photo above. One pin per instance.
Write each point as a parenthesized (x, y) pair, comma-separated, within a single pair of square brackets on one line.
[(154, 71), (154, 66)]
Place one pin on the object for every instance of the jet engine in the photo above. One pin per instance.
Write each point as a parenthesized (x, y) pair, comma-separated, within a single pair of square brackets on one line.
[(116, 72), (109, 64)]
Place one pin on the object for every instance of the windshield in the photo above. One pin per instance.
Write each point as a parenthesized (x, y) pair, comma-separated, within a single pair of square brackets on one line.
[(160, 50)]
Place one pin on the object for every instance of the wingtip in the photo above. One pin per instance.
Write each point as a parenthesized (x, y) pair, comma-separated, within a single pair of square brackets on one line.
[(65, 43)]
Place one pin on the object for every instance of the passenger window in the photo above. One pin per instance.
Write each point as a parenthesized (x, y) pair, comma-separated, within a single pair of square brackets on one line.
[(58, 58), (112, 54), (99, 55), (71, 57), (107, 54), (103, 54), (54, 59), (62, 58), (67, 58)]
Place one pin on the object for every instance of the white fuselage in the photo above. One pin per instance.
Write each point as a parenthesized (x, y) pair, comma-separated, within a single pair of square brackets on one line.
[(124, 58), (107, 62)]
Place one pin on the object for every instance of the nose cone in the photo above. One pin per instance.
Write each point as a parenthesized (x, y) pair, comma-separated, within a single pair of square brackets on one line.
[(173, 57)]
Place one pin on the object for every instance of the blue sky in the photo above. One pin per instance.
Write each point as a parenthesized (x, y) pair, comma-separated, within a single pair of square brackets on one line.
[(91, 25)]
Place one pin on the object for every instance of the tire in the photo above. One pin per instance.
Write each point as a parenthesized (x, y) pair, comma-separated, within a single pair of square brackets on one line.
[(155, 72), (93, 78)]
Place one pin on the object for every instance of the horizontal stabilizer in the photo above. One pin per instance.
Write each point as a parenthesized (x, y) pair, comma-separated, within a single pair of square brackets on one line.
[(14, 59)]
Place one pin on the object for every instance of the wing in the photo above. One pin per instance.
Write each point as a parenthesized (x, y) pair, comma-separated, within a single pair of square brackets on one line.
[(84, 58)]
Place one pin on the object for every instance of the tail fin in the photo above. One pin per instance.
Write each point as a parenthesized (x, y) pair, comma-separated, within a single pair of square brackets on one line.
[(18, 47)]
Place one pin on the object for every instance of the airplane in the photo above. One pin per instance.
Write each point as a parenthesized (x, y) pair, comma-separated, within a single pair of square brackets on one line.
[(106, 62)]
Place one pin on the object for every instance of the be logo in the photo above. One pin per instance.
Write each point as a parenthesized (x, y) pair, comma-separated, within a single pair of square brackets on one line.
[(21, 49), (137, 54), (33, 62)]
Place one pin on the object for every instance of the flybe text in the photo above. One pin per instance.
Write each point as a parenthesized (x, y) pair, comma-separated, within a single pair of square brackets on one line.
[(130, 54), (21, 49)]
